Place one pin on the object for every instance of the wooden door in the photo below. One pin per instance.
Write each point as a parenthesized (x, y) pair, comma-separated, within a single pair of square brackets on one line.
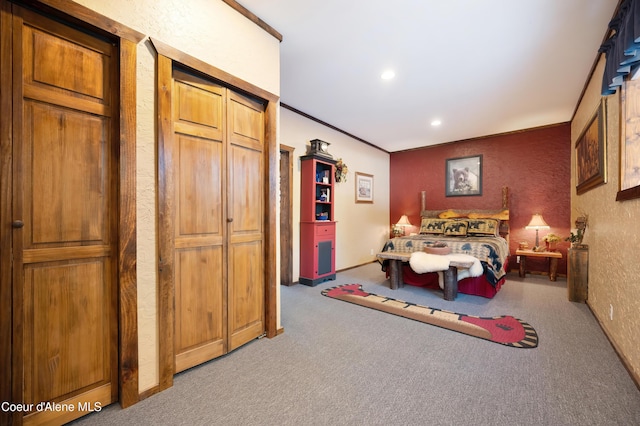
[(200, 220), (245, 192), (286, 215), (217, 152), (64, 211)]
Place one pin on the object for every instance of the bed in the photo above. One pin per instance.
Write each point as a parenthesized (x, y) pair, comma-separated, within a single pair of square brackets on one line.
[(483, 234)]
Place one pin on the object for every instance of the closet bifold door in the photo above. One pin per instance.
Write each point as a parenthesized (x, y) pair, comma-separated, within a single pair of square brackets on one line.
[(217, 167), (198, 151), (245, 196), (218, 206)]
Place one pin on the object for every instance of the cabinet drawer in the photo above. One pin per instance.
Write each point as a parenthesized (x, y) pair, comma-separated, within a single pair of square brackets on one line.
[(325, 230)]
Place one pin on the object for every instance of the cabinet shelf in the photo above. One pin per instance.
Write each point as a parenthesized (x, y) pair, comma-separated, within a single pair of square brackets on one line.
[(317, 236)]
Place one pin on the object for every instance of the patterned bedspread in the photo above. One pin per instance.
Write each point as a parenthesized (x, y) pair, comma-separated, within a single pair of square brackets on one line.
[(491, 251)]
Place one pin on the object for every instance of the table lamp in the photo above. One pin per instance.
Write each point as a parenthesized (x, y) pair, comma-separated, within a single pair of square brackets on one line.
[(403, 223), (537, 223)]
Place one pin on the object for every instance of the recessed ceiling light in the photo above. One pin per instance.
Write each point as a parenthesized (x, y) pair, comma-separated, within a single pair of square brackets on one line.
[(388, 75), (436, 123)]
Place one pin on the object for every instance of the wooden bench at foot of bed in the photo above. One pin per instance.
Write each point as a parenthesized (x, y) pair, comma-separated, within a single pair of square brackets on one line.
[(395, 272)]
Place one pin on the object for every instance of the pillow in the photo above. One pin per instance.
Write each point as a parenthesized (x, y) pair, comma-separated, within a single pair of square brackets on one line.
[(432, 225), (483, 227), (456, 228)]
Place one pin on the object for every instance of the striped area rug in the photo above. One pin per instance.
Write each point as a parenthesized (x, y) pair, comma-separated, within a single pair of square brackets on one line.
[(504, 329)]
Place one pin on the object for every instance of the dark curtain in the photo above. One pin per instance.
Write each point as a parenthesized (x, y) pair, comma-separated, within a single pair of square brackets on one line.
[(622, 49)]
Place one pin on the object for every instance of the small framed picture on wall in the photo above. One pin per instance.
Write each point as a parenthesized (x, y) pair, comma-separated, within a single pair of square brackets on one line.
[(364, 188)]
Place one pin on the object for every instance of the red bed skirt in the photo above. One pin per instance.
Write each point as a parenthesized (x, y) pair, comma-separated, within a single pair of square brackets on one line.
[(476, 286)]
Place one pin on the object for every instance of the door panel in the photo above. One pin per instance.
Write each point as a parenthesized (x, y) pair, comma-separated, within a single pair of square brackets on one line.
[(245, 191), (88, 75), (200, 190), (65, 294), (86, 61), (199, 103), (68, 170), (246, 208), (199, 329), (199, 325), (70, 322), (246, 292), (246, 121)]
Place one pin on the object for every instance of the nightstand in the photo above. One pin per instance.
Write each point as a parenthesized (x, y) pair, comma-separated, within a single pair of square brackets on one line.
[(578, 274), (553, 257)]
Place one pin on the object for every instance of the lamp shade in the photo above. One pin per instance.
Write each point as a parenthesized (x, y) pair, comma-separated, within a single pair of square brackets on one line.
[(537, 222), (404, 221)]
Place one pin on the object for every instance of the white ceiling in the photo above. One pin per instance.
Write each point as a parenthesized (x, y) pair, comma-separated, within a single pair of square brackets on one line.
[(483, 67)]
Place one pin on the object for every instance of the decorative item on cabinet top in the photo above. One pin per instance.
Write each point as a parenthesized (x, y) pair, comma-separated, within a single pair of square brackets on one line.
[(319, 147), (576, 237)]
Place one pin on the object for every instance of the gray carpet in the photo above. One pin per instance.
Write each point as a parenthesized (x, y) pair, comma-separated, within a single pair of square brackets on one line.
[(342, 364)]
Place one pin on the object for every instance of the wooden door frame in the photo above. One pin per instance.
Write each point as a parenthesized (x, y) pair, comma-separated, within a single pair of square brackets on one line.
[(126, 39), (286, 214), (166, 57)]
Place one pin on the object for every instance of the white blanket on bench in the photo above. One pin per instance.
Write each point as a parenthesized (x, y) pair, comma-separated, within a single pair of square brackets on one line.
[(422, 262)]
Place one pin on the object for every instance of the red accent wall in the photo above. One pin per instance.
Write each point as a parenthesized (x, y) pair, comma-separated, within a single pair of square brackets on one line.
[(534, 164)]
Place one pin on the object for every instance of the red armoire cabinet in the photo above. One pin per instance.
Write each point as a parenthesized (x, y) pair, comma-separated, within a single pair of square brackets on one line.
[(317, 221)]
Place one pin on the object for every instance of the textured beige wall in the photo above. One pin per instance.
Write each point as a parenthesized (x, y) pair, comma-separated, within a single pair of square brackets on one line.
[(361, 227), (613, 235), (216, 34)]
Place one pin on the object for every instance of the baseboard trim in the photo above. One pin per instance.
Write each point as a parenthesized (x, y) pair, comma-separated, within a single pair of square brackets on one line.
[(344, 269), (356, 266), (623, 359)]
